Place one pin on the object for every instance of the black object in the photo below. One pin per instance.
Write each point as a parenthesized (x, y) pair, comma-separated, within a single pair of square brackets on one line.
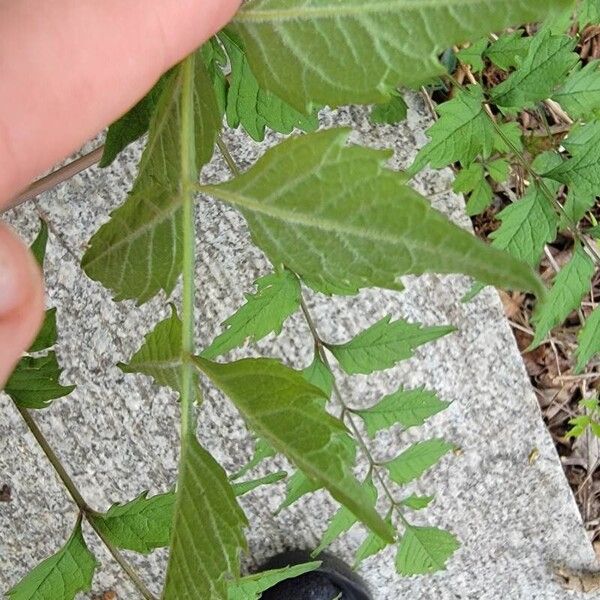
[(332, 578)]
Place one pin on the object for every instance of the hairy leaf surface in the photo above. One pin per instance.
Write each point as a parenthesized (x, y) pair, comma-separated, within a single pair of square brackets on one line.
[(331, 52), (338, 218), (277, 297), (282, 407), (383, 345), (61, 576), (417, 459), (138, 252), (409, 408)]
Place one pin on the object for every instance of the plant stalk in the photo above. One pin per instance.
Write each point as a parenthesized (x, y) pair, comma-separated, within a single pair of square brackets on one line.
[(82, 505)]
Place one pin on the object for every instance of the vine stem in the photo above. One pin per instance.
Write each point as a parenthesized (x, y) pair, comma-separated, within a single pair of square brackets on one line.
[(82, 505), (320, 348)]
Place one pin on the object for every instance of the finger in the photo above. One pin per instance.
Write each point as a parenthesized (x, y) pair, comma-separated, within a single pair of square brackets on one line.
[(21, 300), (69, 67)]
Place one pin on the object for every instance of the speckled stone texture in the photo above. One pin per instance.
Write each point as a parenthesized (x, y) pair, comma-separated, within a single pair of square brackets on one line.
[(117, 434)]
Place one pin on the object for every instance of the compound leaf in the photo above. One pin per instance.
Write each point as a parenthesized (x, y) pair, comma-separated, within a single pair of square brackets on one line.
[(319, 375), (360, 51), (252, 586), (370, 546), (462, 133), (570, 286), (509, 50), (549, 59), (415, 502), (383, 345), (283, 408), (252, 106), (139, 251), (339, 219), (481, 197), (588, 340), (409, 408), (424, 550), (61, 576), (417, 459), (277, 297)]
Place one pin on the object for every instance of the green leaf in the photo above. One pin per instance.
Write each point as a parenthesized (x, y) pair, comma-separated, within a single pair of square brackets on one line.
[(319, 375), (424, 550), (262, 451), (508, 138), (588, 340), (509, 50), (473, 55), (216, 62), (370, 546), (580, 93), (343, 520), (481, 197), (160, 356), (252, 106), (132, 125), (61, 576), (339, 219), (360, 51), (38, 247), (499, 170), (252, 586), (417, 459), (409, 408), (589, 13), (245, 487), (139, 251), (283, 408), (416, 502), (570, 286), (298, 485), (578, 426), (141, 525), (48, 334), (393, 111), (383, 345), (469, 178), (549, 59), (277, 297), (527, 226), (462, 133), (208, 528), (35, 382)]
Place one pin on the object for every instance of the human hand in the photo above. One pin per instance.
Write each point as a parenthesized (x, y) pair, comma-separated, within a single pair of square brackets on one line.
[(68, 68)]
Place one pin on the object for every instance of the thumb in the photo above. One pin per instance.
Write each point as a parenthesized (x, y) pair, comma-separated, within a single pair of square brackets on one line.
[(21, 300)]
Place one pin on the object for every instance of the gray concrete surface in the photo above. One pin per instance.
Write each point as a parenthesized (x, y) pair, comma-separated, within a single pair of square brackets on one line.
[(117, 434)]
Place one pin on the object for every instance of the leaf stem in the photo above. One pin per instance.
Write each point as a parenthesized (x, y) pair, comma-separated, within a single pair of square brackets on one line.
[(84, 509), (235, 170)]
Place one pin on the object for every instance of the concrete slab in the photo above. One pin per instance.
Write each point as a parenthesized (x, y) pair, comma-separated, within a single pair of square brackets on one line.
[(118, 434)]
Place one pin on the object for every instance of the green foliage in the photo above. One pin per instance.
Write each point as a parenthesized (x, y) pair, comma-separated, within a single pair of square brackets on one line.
[(378, 45), (61, 576), (589, 12), (283, 408), (424, 550), (570, 286), (370, 546), (277, 297), (331, 214), (417, 459), (590, 419), (408, 408), (580, 93), (35, 382), (383, 345), (319, 375), (417, 502), (393, 111), (473, 55), (262, 451), (549, 59), (298, 485), (253, 107), (207, 531), (139, 251), (509, 50), (252, 586), (588, 340)]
